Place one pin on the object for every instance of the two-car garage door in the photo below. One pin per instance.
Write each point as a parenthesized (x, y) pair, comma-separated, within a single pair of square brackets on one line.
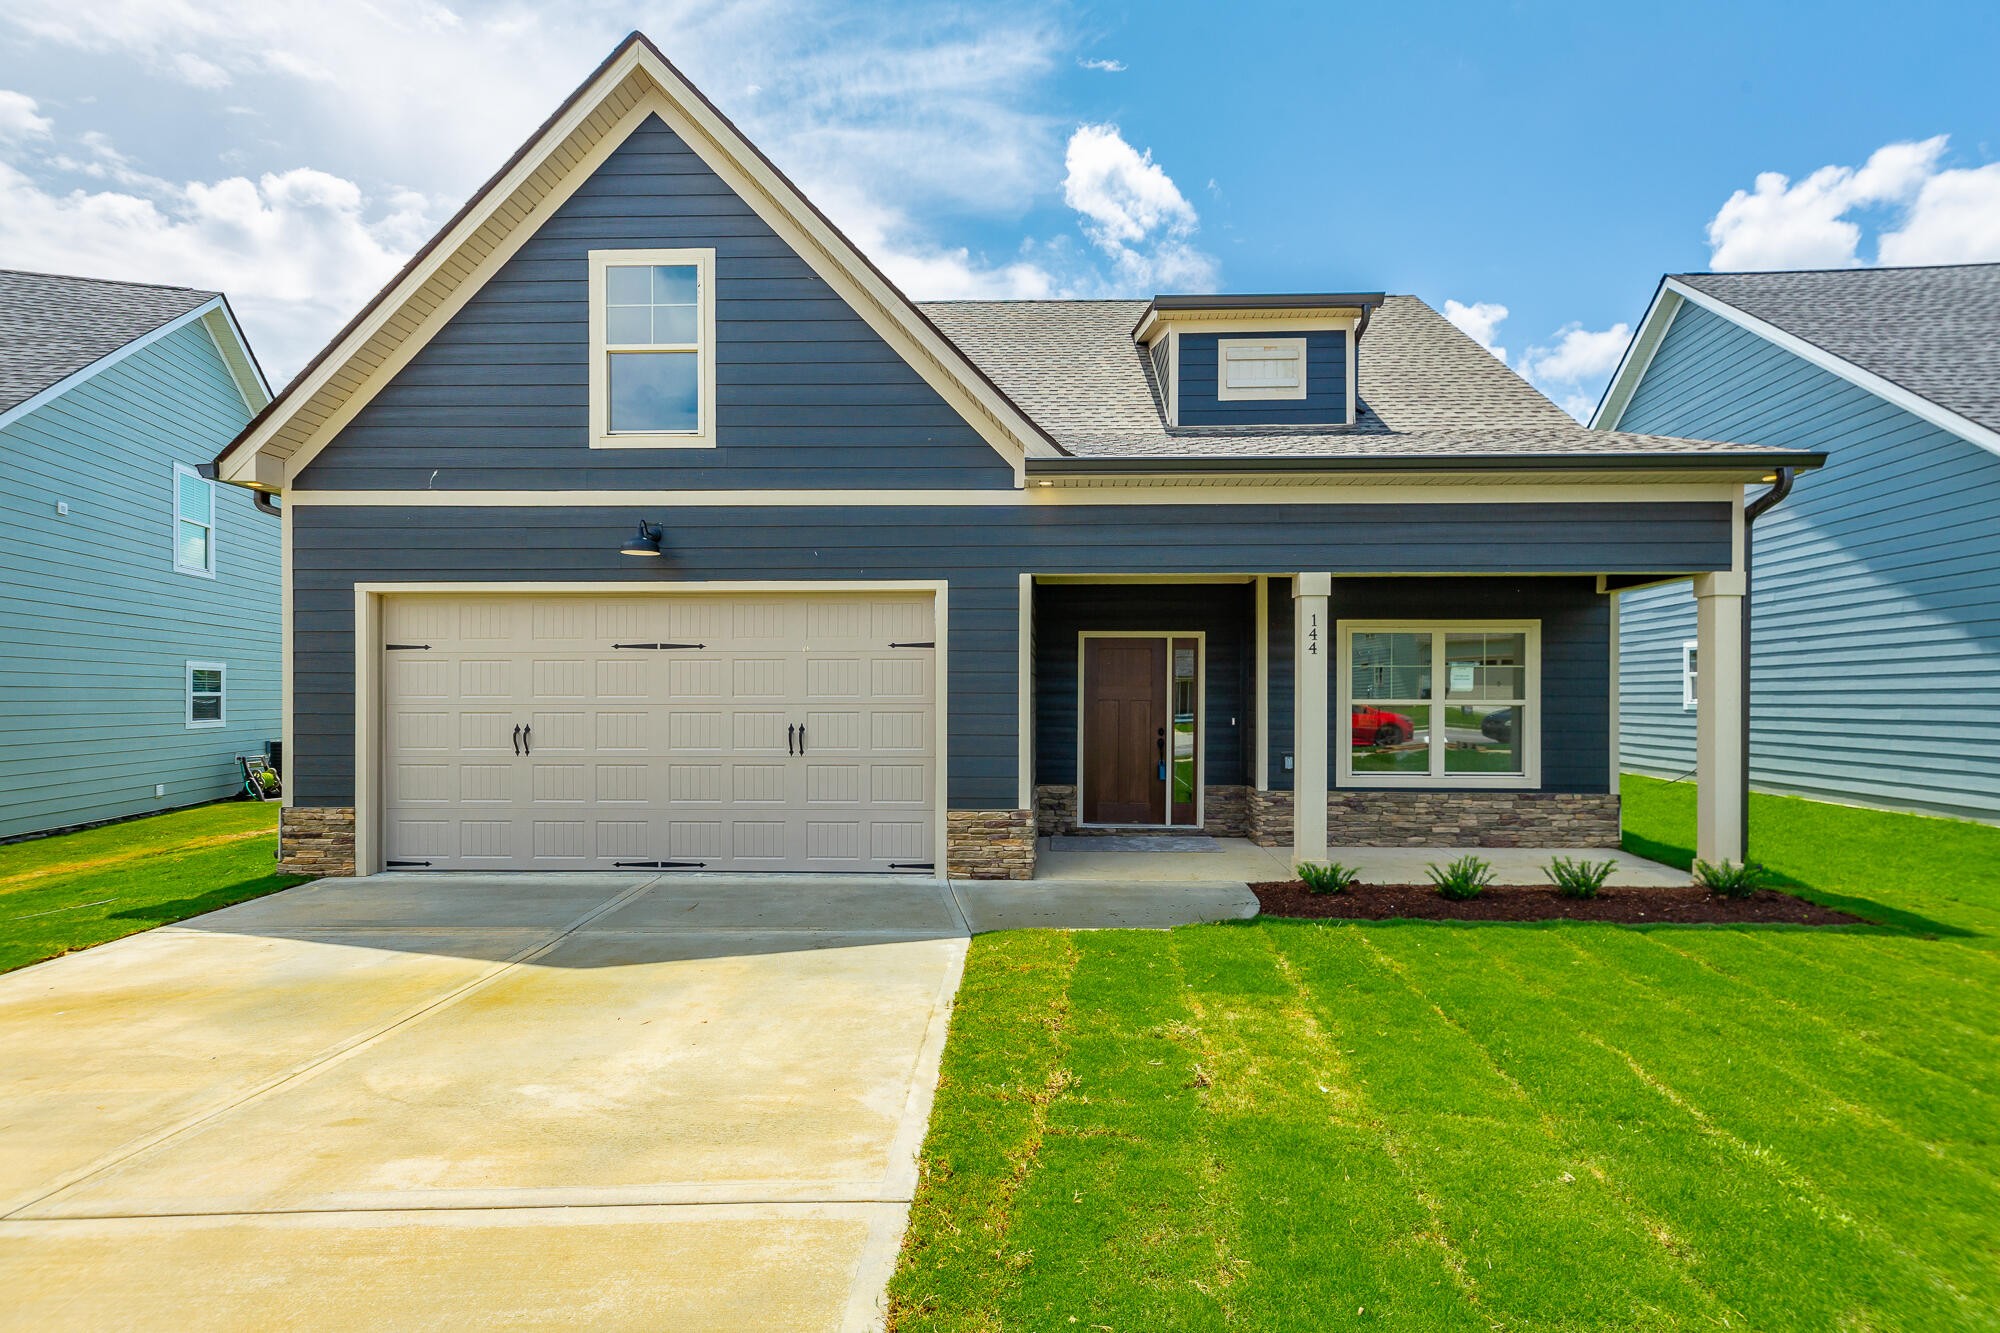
[(716, 732)]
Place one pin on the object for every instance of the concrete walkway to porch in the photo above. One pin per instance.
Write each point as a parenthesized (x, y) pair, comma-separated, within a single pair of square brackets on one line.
[(1238, 860)]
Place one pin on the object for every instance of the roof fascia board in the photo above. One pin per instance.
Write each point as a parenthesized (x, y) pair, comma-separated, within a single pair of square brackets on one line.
[(231, 465), (1758, 462), (1888, 390), (1636, 358), (234, 349), (1155, 321), (107, 361), (453, 301), (1001, 423)]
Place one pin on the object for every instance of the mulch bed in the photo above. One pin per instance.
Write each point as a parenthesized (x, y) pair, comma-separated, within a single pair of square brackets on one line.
[(1540, 902)]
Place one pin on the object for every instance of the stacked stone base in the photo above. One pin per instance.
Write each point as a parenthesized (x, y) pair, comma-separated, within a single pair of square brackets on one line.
[(316, 840), (1224, 812), (1445, 819), (990, 844)]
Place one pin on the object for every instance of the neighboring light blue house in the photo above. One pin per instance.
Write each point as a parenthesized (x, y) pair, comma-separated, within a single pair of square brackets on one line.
[(139, 604), (1876, 675)]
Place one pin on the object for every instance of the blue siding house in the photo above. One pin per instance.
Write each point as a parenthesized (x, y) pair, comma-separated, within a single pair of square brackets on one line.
[(642, 523), (139, 603), (1876, 622)]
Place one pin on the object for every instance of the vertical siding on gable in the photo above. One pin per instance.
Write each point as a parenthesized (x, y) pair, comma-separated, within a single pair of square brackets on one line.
[(1325, 402), (97, 626), (1876, 620), (807, 394)]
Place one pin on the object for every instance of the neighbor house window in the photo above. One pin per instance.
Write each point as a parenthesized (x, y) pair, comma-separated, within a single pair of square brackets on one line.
[(1248, 368), (194, 522), (1690, 674), (205, 703), (1449, 704), (652, 340)]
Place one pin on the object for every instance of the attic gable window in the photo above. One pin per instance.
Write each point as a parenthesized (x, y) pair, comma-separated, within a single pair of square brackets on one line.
[(652, 349), (1270, 368)]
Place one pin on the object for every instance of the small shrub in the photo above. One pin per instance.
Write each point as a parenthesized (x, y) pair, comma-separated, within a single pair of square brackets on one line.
[(1579, 878), (1726, 879), (1467, 877), (1333, 877)]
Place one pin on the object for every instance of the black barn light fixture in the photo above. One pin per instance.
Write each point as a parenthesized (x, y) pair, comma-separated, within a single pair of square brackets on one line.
[(645, 541)]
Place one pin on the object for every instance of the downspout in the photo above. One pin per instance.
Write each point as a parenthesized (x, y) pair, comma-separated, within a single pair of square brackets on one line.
[(1753, 511)]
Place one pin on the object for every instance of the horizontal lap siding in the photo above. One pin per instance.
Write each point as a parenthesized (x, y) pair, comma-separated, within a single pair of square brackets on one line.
[(97, 626), (1576, 660), (980, 551), (1876, 631), (807, 394), (1326, 384), (1221, 611)]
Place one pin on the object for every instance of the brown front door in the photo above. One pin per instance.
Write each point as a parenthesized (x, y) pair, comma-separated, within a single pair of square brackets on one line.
[(1125, 731)]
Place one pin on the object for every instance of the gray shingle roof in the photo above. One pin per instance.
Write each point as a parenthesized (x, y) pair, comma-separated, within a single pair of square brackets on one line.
[(1929, 330), (1426, 390), (53, 326)]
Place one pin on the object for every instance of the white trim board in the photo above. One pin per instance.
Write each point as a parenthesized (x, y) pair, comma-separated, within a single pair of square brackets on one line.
[(1887, 390), (1136, 493)]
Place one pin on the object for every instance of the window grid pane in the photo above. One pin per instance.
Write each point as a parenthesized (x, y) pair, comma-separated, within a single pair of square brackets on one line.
[(192, 549), (655, 391), (1481, 728), (651, 305)]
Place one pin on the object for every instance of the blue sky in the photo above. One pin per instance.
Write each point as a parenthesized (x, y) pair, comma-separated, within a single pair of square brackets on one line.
[(1548, 160)]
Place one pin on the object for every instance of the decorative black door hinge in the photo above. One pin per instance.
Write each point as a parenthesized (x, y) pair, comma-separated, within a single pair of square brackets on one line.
[(658, 865), (401, 865), (407, 647), (913, 865), (659, 647), (928, 644)]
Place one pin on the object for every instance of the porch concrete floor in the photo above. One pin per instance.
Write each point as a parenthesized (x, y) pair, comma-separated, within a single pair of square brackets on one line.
[(1240, 861)]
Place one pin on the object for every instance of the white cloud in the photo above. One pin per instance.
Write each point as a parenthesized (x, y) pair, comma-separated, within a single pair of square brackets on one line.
[(1103, 66), (1480, 322), (19, 118), (1805, 225), (298, 252), (1579, 354), (196, 72), (1133, 212), (1955, 219)]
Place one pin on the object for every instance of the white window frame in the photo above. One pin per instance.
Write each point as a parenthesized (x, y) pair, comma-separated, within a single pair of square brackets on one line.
[(1690, 674), (1295, 347), (221, 670), (601, 434), (1341, 739), (204, 572)]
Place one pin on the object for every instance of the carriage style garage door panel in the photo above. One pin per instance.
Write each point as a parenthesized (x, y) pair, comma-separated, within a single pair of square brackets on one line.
[(721, 732)]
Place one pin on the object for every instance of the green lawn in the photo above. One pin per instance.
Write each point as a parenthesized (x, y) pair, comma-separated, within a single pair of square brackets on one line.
[(1289, 1125), (79, 889)]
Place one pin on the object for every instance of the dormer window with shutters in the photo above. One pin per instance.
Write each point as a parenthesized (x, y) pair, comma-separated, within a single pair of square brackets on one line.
[(1256, 360)]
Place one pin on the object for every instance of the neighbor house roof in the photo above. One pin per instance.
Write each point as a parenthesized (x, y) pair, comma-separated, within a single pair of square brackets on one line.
[(52, 326), (1425, 390), (1929, 330)]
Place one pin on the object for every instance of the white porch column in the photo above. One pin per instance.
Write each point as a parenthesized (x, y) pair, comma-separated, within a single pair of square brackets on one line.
[(1719, 703), (1311, 651)]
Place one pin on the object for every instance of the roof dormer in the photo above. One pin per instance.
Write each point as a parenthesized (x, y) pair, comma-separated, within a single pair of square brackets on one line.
[(1279, 360)]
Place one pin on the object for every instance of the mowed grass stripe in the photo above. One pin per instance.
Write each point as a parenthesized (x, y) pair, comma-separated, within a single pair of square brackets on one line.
[(1765, 1240), (961, 1256), (1850, 1164), (1852, 1064), (1126, 1220), (1930, 1035), (1330, 1220), (1546, 1233)]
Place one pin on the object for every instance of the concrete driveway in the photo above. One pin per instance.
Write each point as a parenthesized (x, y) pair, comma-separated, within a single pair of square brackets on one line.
[(430, 1101)]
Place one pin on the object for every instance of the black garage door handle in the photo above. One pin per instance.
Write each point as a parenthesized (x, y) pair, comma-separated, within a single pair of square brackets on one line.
[(527, 746)]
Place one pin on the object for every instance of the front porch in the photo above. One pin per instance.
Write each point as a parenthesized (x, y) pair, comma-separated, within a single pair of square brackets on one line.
[(1438, 714)]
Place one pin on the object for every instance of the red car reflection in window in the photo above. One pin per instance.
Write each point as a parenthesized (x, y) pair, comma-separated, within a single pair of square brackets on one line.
[(1374, 726)]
